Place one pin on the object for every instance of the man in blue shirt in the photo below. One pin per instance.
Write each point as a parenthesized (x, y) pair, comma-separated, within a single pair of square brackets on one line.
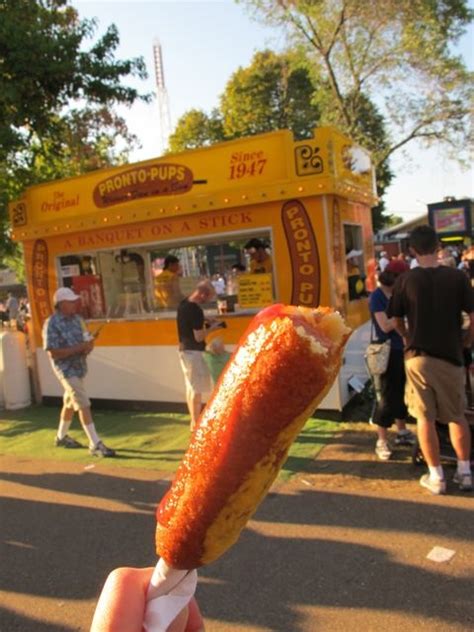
[(68, 342)]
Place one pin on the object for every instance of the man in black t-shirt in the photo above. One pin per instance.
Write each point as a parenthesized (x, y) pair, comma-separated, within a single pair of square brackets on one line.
[(192, 332), (432, 299)]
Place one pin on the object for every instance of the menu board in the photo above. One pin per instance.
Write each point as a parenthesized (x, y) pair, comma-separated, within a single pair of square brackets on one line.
[(255, 290)]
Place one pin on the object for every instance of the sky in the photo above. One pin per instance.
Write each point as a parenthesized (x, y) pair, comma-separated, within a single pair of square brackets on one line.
[(203, 43)]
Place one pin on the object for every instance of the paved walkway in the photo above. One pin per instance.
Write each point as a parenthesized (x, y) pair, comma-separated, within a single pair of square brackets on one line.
[(341, 547)]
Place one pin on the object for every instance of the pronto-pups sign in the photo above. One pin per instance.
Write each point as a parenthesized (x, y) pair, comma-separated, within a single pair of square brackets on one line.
[(39, 280), (141, 182), (304, 254)]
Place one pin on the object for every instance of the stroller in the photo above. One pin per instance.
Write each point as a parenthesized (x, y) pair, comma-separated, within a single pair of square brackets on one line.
[(446, 449)]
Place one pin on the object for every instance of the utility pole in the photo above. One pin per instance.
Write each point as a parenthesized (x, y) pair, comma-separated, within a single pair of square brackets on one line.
[(162, 97)]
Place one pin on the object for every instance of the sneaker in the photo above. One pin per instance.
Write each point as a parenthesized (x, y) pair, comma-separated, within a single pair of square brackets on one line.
[(434, 485), (382, 450), (100, 449), (405, 437), (464, 481), (67, 442)]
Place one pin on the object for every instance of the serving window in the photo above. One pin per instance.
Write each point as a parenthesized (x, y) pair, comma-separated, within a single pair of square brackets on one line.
[(146, 281)]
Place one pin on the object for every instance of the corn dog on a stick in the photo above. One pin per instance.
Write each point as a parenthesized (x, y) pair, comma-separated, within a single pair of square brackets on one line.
[(283, 367)]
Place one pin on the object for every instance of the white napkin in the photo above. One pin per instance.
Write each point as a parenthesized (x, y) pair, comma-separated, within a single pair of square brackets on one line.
[(170, 590)]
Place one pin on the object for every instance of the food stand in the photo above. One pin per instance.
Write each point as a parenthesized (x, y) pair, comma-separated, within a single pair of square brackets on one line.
[(104, 232)]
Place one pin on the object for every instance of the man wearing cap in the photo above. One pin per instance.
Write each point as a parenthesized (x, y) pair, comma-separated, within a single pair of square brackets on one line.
[(260, 260), (383, 261), (67, 341)]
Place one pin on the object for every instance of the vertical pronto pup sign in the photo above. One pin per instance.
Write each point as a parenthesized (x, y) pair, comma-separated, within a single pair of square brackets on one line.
[(304, 254), (39, 280)]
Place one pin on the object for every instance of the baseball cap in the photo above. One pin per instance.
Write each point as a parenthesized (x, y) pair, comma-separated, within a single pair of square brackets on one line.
[(397, 266), (353, 253), (64, 294)]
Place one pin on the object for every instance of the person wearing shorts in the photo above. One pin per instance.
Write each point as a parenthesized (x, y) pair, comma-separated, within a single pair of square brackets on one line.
[(68, 343), (192, 331), (428, 304)]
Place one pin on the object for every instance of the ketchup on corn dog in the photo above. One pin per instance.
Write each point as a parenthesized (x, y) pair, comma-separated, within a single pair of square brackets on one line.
[(284, 365)]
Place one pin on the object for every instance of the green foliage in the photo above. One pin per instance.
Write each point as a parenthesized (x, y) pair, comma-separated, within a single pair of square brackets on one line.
[(44, 67), (395, 52), (277, 92), (271, 93), (46, 77), (196, 129)]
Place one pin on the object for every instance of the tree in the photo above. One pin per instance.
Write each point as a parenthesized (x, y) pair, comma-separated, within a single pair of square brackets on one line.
[(196, 129), (271, 93), (397, 53), (83, 140), (277, 92), (56, 99), (44, 67)]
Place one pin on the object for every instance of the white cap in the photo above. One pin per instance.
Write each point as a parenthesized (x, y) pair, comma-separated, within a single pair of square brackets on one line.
[(64, 294), (353, 253)]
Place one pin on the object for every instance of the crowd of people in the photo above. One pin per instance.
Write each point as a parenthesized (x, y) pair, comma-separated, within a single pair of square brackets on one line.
[(457, 256), (421, 308), (14, 311)]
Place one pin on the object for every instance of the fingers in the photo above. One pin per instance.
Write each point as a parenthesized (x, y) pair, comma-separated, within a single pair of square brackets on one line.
[(121, 604), (188, 620), (195, 620)]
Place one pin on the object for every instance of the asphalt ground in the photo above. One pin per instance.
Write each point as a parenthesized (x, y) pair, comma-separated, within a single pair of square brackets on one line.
[(342, 546)]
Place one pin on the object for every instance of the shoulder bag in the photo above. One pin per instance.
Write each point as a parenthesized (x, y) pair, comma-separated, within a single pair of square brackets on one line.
[(377, 355)]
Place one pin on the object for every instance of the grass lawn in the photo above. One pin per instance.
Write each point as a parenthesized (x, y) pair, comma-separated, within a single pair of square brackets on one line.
[(142, 439)]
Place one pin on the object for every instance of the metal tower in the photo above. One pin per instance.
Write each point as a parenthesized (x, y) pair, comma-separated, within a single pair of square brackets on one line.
[(162, 96)]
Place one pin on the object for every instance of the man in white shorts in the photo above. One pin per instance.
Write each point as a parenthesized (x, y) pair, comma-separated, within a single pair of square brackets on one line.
[(68, 343), (192, 332)]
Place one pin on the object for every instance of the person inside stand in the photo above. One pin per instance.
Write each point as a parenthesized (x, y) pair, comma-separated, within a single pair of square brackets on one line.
[(68, 343), (390, 387), (167, 289), (428, 304), (233, 278), (355, 279), (260, 260), (122, 602), (218, 283), (192, 331)]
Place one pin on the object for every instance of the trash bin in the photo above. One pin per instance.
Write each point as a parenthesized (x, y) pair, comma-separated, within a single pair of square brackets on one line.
[(15, 389)]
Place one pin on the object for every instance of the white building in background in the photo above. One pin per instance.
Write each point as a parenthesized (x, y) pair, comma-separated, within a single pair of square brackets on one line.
[(9, 281)]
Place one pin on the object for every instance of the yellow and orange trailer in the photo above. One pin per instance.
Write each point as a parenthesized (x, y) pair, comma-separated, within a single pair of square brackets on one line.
[(105, 234)]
